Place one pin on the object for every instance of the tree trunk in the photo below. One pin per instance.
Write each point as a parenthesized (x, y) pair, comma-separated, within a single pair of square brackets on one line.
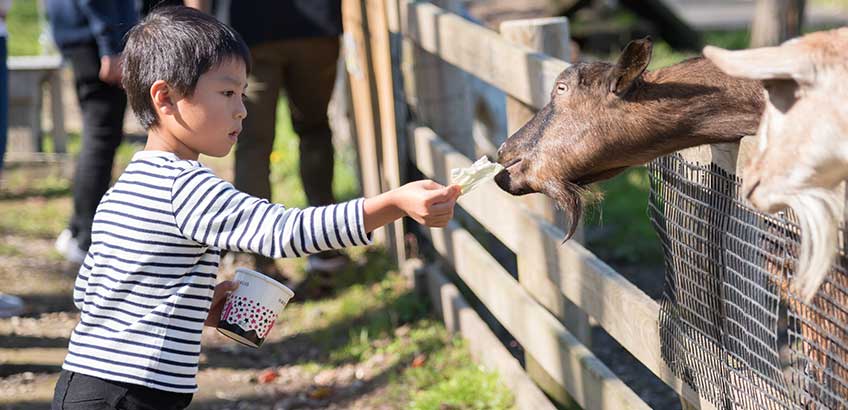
[(776, 21)]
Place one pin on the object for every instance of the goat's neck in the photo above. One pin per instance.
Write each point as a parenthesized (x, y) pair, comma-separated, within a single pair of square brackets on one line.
[(693, 103)]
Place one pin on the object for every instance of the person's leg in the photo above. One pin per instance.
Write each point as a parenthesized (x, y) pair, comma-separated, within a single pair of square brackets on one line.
[(309, 80), (102, 107), (253, 151), (4, 101)]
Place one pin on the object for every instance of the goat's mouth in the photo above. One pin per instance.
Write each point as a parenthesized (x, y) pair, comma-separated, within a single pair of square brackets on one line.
[(512, 180)]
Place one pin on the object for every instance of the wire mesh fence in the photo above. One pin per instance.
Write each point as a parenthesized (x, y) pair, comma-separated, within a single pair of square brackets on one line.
[(730, 325)]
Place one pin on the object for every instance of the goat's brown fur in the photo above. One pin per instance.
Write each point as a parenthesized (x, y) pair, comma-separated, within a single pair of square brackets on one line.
[(604, 118)]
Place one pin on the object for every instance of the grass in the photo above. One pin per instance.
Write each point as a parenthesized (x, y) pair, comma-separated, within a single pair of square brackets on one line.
[(24, 28), (384, 321)]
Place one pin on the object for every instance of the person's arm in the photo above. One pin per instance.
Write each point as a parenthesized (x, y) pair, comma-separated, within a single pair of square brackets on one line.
[(108, 20), (5, 6), (202, 5), (427, 202), (211, 211)]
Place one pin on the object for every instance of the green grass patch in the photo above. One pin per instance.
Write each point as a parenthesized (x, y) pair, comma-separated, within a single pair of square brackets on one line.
[(7, 249), (24, 28), (35, 217), (425, 366), (465, 388), (619, 225)]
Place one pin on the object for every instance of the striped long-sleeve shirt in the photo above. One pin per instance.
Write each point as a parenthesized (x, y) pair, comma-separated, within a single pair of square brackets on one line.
[(146, 285)]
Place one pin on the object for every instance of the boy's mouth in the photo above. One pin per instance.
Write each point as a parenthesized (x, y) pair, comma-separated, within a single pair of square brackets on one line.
[(234, 135)]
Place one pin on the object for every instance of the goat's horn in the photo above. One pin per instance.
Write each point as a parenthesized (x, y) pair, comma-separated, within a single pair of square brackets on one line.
[(766, 63)]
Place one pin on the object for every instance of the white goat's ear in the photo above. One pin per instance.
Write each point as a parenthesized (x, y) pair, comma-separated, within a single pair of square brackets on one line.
[(787, 62), (630, 65)]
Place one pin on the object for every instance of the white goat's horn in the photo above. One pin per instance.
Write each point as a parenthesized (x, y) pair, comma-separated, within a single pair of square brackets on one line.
[(766, 63)]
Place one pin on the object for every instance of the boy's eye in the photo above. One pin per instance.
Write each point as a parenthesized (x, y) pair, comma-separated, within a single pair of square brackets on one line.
[(229, 93)]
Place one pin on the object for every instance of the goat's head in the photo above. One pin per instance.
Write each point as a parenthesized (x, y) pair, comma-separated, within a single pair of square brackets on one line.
[(554, 152), (802, 139), (603, 118)]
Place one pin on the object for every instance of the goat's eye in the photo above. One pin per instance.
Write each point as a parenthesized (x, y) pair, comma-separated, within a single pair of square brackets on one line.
[(561, 88)]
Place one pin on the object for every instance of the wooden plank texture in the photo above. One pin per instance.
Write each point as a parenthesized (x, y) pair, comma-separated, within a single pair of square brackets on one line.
[(519, 71), (622, 309), (378, 35), (589, 381), (485, 347), (366, 112)]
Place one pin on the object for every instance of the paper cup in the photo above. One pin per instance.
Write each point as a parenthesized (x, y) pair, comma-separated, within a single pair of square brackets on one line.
[(251, 310)]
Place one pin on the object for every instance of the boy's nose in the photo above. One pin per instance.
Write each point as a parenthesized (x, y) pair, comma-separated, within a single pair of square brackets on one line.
[(241, 113)]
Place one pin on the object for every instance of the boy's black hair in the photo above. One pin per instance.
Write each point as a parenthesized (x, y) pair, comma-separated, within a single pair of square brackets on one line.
[(175, 44)]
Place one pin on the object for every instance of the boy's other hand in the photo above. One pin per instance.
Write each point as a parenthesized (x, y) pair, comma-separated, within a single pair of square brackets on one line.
[(221, 291), (428, 202)]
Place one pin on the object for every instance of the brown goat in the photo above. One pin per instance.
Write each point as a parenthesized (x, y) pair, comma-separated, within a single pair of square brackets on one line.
[(604, 118)]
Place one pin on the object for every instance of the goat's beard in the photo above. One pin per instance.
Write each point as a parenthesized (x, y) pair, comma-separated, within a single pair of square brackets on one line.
[(817, 210), (571, 198)]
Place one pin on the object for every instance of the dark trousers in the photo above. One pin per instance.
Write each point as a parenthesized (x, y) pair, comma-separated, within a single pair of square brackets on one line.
[(4, 100), (102, 107), (76, 391), (306, 70)]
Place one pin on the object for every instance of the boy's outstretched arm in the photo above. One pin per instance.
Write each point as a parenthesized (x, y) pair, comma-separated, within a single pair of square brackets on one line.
[(427, 202)]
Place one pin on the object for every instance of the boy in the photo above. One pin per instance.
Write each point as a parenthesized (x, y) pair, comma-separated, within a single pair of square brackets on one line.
[(146, 288)]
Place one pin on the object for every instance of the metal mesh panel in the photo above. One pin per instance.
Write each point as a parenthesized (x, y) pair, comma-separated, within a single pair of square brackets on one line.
[(729, 325)]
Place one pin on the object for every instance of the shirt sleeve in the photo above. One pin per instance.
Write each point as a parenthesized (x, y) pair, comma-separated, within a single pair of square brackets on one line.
[(211, 211), (109, 20)]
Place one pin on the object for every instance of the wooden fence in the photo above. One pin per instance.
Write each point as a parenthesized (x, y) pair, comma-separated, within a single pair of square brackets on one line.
[(559, 284)]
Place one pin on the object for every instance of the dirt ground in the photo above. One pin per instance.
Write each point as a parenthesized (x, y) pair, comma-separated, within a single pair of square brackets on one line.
[(33, 346)]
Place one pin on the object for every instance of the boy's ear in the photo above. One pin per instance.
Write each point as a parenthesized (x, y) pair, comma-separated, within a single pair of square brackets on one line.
[(160, 93)]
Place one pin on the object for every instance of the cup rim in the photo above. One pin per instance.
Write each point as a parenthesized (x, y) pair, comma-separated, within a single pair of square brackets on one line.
[(273, 282)]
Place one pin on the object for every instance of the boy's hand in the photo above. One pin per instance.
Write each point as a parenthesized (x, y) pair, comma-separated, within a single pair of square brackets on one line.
[(428, 202), (218, 298)]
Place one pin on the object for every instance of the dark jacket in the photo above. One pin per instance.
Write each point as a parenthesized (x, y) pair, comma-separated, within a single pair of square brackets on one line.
[(103, 22), (261, 21)]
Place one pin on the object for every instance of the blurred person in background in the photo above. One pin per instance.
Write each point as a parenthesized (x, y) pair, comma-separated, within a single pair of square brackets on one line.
[(10, 305), (90, 35), (294, 45)]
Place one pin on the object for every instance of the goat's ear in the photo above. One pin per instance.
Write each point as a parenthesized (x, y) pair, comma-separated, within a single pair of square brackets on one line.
[(787, 62), (631, 64)]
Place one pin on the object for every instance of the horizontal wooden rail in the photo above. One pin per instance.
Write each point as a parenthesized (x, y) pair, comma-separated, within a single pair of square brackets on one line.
[(518, 71), (622, 309), (482, 342), (590, 382)]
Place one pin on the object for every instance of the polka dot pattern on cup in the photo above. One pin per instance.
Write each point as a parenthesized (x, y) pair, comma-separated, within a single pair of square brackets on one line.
[(249, 315)]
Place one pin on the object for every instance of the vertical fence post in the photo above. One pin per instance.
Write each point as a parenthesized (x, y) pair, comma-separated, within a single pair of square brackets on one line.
[(549, 36), (366, 114), (381, 58)]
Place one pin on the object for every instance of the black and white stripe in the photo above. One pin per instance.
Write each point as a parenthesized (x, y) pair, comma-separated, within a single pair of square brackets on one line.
[(146, 284)]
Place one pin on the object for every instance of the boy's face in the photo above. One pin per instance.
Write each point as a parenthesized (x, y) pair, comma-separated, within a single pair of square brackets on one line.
[(209, 121)]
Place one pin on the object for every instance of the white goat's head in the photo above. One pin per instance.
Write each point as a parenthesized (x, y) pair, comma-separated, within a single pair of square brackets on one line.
[(802, 138)]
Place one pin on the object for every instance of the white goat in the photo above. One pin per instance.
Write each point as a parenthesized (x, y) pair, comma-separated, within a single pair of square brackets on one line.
[(803, 138)]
